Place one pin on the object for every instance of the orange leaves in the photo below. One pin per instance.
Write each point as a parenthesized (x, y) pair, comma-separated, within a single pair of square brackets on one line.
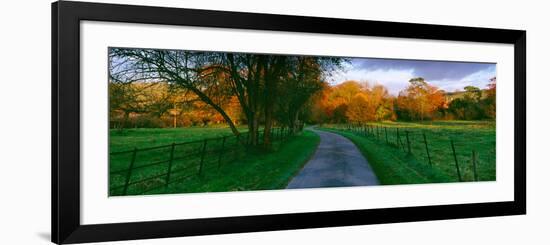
[(352, 101), (419, 101), (158, 104), (361, 108)]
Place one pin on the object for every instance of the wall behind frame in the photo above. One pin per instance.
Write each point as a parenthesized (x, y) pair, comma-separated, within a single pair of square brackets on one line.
[(25, 121)]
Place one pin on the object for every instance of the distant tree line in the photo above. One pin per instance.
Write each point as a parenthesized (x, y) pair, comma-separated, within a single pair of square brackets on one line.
[(171, 88), (161, 105), (353, 101)]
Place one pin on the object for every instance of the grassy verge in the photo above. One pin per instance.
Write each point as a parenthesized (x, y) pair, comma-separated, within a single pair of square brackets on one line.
[(256, 170), (127, 139), (393, 168), (240, 169), (390, 159)]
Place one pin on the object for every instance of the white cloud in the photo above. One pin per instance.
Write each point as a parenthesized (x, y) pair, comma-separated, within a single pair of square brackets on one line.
[(479, 79), (394, 80)]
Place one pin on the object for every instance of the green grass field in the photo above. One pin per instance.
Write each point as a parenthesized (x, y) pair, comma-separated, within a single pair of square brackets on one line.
[(217, 164), (127, 139), (227, 165), (393, 165)]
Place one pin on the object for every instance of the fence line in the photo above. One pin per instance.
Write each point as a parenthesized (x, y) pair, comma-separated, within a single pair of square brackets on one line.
[(153, 168), (422, 149)]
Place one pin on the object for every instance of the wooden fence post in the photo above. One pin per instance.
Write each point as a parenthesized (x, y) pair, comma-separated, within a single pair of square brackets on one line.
[(170, 165), (202, 156), (288, 132), (427, 151), (371, 131), (474, 165), (129, 173), (221, 152), (386, 131), (408, 142), (456, 161), (397, 140)]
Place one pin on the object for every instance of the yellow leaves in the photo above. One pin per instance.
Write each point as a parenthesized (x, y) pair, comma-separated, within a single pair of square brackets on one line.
[(420, 100), (354, 101)]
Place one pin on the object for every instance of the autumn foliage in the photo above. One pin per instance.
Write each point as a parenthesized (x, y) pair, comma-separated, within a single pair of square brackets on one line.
[(360, 102), (159, 105), (420, 101), (176, 88), (261, 91)]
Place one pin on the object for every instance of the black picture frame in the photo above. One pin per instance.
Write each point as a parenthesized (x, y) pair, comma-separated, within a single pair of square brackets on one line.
[(66, 18)]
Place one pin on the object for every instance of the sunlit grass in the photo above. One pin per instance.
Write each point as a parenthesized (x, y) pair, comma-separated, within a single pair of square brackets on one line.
[(232, 167), (394, 165)]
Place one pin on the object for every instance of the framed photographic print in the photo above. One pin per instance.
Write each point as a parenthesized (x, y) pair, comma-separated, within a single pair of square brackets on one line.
[(176, 122)]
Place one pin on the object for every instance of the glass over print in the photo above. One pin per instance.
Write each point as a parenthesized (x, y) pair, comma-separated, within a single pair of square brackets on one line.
[(185, 121)]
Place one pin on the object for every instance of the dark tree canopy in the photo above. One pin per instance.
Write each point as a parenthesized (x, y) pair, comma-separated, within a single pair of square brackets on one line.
[(258, 81)]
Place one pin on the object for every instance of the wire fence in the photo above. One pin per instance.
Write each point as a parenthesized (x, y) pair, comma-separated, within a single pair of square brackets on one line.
[(154, 169), (462, 158)]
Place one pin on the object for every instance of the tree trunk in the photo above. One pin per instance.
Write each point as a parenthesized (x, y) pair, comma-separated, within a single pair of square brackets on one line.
[(216, 107), (251, 136), (290, 119), (268, 122), (125, 120), (269, 96), (295, 123), (253, 130), (252, 121)]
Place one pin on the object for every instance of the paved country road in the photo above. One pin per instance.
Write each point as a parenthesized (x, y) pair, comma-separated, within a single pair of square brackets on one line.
[(336, 162)]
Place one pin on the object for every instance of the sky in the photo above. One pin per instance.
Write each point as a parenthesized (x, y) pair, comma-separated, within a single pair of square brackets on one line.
[(394, 74)]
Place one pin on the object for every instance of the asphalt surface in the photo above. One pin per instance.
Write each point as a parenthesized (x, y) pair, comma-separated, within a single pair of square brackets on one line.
[(336, 163)]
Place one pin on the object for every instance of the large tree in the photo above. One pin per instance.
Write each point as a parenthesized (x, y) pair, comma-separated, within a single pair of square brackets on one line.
[(419, 100), (303, 80), (255, 80), (187, 69), (490, 100)]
